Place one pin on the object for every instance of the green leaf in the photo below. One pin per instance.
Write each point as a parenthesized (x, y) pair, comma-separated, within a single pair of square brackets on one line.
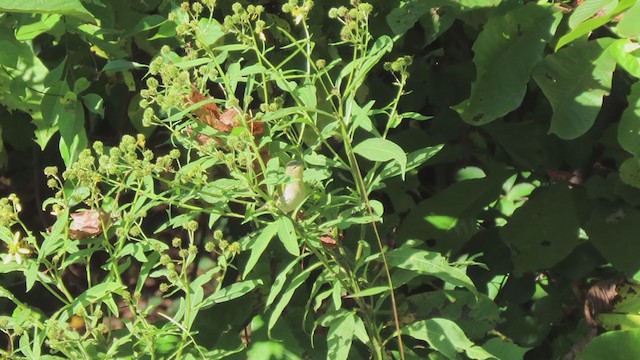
[(146, 268), (55, 238), (613, 345), (624, 51), (31, 31), (630, 172), (94, 103), (259, 245), (503, 349), (414, 160), (445, 337), (370, 291), (629, 25), (94, 295), (361, 67), (378, 149), (430, 263), (544, 230), (594, 23), (401, 19), (279, 282), (613, 231), (449, 217), (506, 51), (587, 10), (288, 294), (475, 315), (288, 237), (575, 80), (615, 321), (340, 337), (63, 7), (627, 299), (73, 138), (230, 292)]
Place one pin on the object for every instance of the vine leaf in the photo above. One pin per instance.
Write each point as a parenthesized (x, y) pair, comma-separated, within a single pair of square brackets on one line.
[(613, 231), (629, 127), (446, 337), (575, 80), (63, 7), (544, 230), (382, 150), (506, 51), (430, 263)]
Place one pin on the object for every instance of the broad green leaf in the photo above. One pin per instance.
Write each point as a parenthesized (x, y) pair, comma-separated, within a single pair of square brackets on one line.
[(370, 291), (613, 345), (94, 103), (230, 292), (146, 268), (627, 299), (614, 321), (625, 53), (575, 80), (259, 245), (587, 9), (55, 238), (288, 237), (382, 150), (288, 294), (73, 138), (445, 337), (307, 94), (357, 70), (279, 282), (10, 54), (629, 25), (588, 26), (504, 349), (31, 31), (630, 172), (544, 230), (414, 160), (63, 7), (613, 231), (401, 19), (361, 117), (449, 218), (94, 295), (430, 263), (340, 337), (147, 23), (211, 31), (475, 315), (506, 50)]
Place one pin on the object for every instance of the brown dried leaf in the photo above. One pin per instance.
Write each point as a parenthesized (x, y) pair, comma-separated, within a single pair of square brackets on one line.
[(328, 241), (599, 299), (208, 114), (228, 118), (256, 127), (87, 223)]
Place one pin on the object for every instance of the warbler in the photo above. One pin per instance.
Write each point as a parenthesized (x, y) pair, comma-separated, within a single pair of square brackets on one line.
[(293, 194)]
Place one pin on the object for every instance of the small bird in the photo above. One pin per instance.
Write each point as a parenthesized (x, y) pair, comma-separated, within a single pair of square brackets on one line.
[(293, 194)]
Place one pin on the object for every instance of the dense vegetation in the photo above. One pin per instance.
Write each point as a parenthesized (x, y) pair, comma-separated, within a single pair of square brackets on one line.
[(411, 179)]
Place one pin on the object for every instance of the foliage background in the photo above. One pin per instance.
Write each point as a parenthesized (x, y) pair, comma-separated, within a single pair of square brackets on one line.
[(538, 179)]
